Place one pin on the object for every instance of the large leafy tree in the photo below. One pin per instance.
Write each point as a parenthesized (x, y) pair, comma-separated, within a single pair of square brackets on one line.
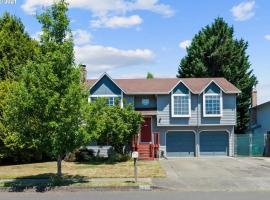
[(45, 109), (16, 47), (66, 102), (214, 52), (112, 124)]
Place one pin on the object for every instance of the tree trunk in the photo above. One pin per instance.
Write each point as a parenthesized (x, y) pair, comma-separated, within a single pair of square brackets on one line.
[(59, 166)]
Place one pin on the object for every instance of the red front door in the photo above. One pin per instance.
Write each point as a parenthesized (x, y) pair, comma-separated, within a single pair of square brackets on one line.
[(146, 130)]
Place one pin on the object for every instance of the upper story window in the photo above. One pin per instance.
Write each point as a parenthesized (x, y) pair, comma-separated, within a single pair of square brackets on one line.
[(180, 101), (111, 100), (181, 105), (212, 104), (212, 101)]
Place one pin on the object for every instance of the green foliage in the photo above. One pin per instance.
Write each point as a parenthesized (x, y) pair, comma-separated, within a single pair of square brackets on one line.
[(215, 53), (67, 101), (16, 47), (149, 75), (118, 157), (112, 124), (45, 109)]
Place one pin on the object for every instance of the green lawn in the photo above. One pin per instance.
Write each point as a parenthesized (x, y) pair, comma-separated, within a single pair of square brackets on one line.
[(82, 170)]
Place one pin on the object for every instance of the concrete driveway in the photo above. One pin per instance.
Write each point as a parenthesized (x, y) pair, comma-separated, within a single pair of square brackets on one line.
[(216, 174)]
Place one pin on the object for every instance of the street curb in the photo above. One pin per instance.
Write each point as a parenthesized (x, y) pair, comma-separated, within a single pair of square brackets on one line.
[(81, 188)]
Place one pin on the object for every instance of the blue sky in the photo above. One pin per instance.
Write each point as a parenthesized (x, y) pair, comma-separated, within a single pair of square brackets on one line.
[(130, 38)]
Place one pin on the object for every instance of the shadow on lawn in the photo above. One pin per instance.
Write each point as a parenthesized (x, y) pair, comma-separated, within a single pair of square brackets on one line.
[(42, 182)]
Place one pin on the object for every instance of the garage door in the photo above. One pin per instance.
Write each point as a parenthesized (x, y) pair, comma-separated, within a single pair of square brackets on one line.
[(179, 143), (214, 143)]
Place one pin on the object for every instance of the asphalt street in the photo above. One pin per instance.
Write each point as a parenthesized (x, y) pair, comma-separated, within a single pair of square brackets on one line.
[(169, 195)]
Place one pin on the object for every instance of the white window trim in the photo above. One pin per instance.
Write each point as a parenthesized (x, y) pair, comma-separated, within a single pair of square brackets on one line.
[(108, 96), (189, 105), (220, 107), (105, 95)]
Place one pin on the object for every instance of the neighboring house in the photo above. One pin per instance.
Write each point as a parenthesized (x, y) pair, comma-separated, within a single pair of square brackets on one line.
[(259, 120), (182, 117), (260, 115)]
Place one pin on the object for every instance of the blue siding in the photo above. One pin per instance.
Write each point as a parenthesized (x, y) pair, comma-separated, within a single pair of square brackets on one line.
[(128, 99), (263, 114), (229, 112), (105, 86), (212, 88), (165, 119), (139, 105), (214, 129), (164, 112), (180, 89)]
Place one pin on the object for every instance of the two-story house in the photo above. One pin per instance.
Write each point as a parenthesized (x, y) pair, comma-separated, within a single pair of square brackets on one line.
[(186, 117)]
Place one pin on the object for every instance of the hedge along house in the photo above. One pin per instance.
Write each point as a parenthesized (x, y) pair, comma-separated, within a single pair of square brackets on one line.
[(182, 117)]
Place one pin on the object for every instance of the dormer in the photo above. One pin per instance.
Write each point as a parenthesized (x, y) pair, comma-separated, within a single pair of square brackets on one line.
[(180, 101), (212, 100)]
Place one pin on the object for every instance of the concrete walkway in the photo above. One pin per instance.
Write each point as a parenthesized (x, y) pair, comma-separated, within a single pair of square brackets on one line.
[(216, 174)]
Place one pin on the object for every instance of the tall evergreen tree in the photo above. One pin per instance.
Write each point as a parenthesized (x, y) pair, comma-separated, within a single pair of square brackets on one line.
[(16, 47), (214, 52)]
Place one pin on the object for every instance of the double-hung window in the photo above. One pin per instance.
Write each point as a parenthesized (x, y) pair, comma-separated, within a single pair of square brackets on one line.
[(111, 100), (181, 105), (212, 105)]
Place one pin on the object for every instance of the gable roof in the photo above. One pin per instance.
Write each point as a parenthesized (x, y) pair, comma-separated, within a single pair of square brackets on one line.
[(165, 85), (96, 81)]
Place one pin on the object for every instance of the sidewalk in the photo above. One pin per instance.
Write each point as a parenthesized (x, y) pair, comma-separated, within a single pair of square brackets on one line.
[(95, 184), (76, 180)]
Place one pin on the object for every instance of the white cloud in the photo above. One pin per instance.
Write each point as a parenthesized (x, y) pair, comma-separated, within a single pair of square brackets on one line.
[(37, 35), (105, 7), (30, 6), (115, 22), (81, 37), (267, 37), (184, 44), (243, 11), (108, 13), (101, 58), (152, 5)]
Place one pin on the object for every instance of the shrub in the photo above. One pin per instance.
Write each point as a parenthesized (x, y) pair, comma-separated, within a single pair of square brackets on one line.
[(80, 155), (117, 157)]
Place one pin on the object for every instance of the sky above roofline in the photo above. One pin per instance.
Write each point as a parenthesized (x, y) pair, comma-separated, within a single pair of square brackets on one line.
[(129, 38)]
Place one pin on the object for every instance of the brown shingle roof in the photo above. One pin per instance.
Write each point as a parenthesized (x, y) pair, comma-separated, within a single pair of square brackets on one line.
[(165, 85)]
